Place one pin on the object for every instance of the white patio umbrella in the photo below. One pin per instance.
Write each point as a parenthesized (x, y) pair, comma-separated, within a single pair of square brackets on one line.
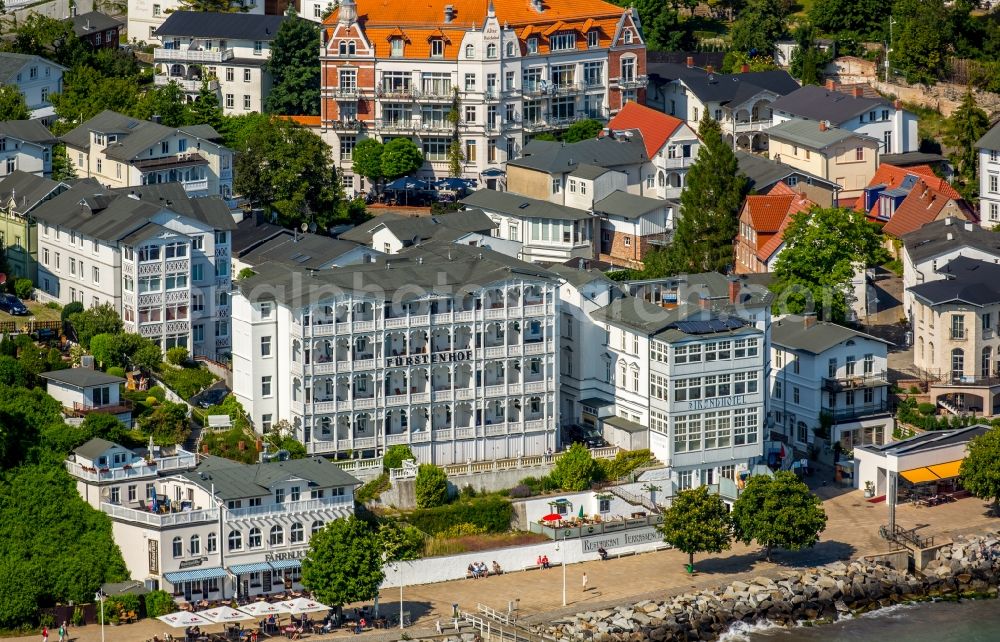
[(257, 609), (184, 619), (302, 605), (225, 614)]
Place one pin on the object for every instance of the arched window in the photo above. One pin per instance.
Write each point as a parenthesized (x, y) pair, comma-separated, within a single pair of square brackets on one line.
[(930, 350), (277, 536), (470, 51), (316, 527), (178, 547), (343, 47), (352, 48), (662, 178), (211, 543), (235, 540), (253, 538), (510, 49), (195, 545), (296, 533), (491, 50)]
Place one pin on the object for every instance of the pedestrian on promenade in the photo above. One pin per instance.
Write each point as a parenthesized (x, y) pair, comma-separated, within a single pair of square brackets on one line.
[(45, 634), (584, 582), (62, 632)]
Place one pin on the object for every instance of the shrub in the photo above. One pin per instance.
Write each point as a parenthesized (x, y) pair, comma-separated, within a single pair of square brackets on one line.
[(116, 371), (78, 618), (159, 603), (927, 409), (520, 491), (623, 464), (187, 381), (53, 305), (371, 491), (47, 620), (70, 309), (492, 513), (461, 530), (467, 492), (914, 390), (395, 456), (24, 288), (575, 470), (177, 355), (431, 486)]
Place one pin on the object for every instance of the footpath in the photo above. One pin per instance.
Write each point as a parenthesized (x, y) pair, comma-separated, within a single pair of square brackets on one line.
[(852, 531)]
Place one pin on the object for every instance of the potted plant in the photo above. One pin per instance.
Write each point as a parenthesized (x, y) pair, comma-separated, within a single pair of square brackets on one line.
[(869, 489)]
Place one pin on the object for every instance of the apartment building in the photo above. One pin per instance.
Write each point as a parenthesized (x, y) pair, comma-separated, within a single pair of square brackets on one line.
[(211, 528), (20, 193), (988, 149), (36, 78), (120, 151), (25, 145), (160, 257), (829, 384), (839, 155), (229, 51), (449, 349), (852, 109), (762, 224), (146, 16), (516, 68)]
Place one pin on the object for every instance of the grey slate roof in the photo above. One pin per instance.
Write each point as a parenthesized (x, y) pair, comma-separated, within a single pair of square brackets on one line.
[(808, 134), (764, 172), (670, 324), (791, 332), (714, 286), (146, 232), (932, 239), (81, 377), (93, 448), (627, 425), (135, 136), (579, 278), (908, 159), (434, 266), (589, 172), (413, 229), (210, 24), (249, 234), (630, 206), (522, 206), (311, 251), (991, 139), (26, 189), (11, 63), (930, 440), (234, 480), (736, 88), (558, 158), (92, 22), (819, 103), (31, 131), (363, 233), (967, 281)]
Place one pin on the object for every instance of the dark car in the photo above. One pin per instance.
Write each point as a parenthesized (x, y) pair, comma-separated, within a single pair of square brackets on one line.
[(12, 305), (212, 397)]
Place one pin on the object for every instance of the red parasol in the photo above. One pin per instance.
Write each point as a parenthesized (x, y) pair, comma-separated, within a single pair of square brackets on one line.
[(552, 517)]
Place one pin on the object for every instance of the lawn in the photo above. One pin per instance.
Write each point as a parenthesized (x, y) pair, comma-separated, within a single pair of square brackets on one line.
[(39, 312)]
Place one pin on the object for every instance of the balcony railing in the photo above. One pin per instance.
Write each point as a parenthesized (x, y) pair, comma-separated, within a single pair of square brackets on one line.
[(854, 382), (857, 411), (155, 519), (678, 163), (286, 508), (752, 125), (167, 54), (344, 93), (83, 409), (199, 185), (189, 85), (345, 125), (138, 468), (636, 82), (394, 92)]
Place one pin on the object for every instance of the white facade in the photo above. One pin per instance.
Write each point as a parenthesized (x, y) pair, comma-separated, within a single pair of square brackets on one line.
[(456, 377), (33, 157), (37, 79), (989, 185), (892, 126), (146, 16)]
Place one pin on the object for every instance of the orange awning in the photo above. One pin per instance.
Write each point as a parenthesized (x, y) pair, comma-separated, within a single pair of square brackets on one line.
[(919, 475), (948, 470)]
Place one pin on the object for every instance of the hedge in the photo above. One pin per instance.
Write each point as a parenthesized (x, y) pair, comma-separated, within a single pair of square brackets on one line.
[(493, 514)]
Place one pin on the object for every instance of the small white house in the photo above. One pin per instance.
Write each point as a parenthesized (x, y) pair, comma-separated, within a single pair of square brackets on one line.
[(36, 78), (85, 390)]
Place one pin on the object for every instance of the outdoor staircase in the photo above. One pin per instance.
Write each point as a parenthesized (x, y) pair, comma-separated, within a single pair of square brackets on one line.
[(635, 500), (193, 442)]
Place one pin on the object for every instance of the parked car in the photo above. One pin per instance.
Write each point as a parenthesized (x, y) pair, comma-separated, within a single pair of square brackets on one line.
[(44, 334), (12, 305), (212, 397)]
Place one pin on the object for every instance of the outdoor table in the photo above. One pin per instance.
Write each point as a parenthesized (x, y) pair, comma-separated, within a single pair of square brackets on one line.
[(289, 631)]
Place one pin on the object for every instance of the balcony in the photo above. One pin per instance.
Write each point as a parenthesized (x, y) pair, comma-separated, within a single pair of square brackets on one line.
[(166, 54), (125, 514), (870, 380), (288, 508), (859, 411), (566, 89), (184, 159), (199, 185), (188, 85), (405, 93), (434, 93), (138, 468), (415, 126), (678, 163), (747, 126), (344, 93), (637, 82), (347, 126)]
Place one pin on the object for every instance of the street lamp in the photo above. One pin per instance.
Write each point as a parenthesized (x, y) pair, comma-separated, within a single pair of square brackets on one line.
[(562, 548), (100, 597), (400, 567)]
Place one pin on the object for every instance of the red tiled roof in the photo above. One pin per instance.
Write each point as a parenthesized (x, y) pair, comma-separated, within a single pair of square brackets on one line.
[(305, 121), (799, 204), (921, 206), (655, 126), (766, 212), (892, 176)]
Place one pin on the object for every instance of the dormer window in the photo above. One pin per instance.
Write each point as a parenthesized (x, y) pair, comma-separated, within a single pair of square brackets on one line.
[(437, 48), (562, 42), (628, 36), (396, 48), (532, 45), (593, 39)]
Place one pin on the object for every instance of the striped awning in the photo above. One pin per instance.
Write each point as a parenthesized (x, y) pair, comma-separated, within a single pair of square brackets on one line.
[(195, 574), (255, 567), (933, 473), (281, 565)]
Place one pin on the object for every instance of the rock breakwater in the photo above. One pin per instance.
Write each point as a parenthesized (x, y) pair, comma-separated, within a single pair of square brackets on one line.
[(964, 568)]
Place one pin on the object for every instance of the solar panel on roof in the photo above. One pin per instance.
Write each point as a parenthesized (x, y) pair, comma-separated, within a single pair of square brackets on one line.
[(710, 326)]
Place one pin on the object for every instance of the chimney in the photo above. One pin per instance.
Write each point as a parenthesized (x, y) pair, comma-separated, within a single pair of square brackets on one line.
[(87, 26), (948, 221), (744, 68), (808, 319), (156, 119), (704, 302), (822, 126), (897, 104), (710, 69), (857, 92), (951, 237), (968, 226), (449, 13), (831, 85), (734, 288), (690, 61), (87, 361)]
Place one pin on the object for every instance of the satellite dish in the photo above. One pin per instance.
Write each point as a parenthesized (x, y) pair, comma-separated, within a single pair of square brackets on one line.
[(312, 226), (304, 226), (105, 494)]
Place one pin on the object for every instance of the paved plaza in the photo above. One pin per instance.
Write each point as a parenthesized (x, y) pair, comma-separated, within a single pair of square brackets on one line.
[(852, 531)]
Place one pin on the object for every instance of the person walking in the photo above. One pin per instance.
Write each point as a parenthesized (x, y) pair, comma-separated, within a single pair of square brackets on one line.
[(45, 634), (62, 632), (584, 582)]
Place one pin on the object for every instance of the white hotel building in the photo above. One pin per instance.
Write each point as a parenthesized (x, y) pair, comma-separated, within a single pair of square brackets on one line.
[(221, 528), (449, 349)]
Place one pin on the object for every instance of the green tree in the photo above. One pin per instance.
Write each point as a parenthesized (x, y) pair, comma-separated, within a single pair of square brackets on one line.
[(169, 102), (295, 67), (759, 26), (86, 93), (62, 169), (40, 35), (215, 6), (205, 110), (12, 105), (697, 522), (237, 130), (456, 156), (808, 60), (400, 542), (734, 60), (582, 130), (401, 157), (824, 250), (168, 424), (431, 486), (921, 38), (104, 426), (290, 169), (12, 373), (778, 512), (662, 26), (344, 563), (710, 205), (100, 319), (575, 469), (966, 126), (395, 456), (367, 160), (865, 17), (980, 472)]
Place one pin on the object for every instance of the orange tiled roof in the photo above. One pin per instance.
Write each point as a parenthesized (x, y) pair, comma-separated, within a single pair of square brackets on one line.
[(799, 203), (655, 126), (767, 211), (921, 206), (305, 121), (892, 176)]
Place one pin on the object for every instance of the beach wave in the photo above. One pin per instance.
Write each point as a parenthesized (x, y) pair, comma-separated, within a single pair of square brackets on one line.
[(742, 631)]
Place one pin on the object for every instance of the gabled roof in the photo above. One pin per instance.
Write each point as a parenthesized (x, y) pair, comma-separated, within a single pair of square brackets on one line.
[(767, 211), (579, 278), (655, 126), (810, 134), (210, 24), (890, 177), (26, 189), (765, 173), (627, 205), (11, 63), (522, 206), (933, 239), (991, 139), (94, 448), (931, 440), (233, 480), (819, 103), (922, 205), (93, 22), (363, 232), (799, 203), (589, 172), (135, 136), (966, 280), (81, 377), (817, 337), (559, 158), (736, 88), (31, 131)]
